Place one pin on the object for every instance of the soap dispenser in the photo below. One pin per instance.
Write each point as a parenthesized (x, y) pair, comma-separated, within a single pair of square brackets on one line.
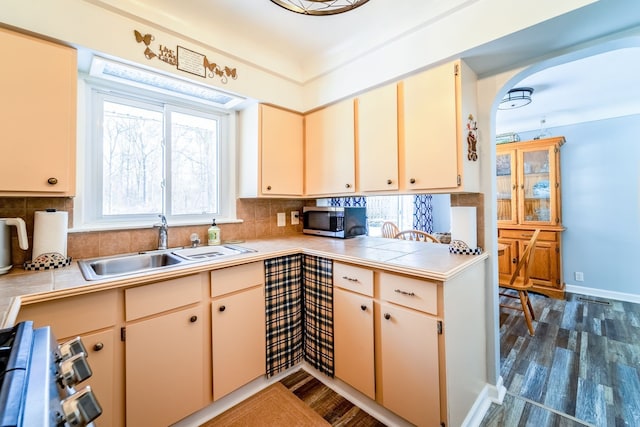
[(213, 234)]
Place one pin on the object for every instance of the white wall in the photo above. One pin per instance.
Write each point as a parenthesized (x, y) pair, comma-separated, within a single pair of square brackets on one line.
[(84, 23)]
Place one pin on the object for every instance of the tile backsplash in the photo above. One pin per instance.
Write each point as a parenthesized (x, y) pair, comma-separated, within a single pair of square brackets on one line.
[(258, 215)]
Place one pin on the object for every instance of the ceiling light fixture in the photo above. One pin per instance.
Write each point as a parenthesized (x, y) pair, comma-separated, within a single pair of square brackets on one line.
[(319, 7), (516, 98)]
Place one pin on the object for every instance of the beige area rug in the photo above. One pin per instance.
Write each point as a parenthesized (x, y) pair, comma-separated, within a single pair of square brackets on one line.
[(273, 406)]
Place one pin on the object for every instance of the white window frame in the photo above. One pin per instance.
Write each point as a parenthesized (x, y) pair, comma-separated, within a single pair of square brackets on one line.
[(88, 198)]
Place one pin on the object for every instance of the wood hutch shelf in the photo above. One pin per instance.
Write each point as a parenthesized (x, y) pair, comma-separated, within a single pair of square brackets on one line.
[(528, 186)]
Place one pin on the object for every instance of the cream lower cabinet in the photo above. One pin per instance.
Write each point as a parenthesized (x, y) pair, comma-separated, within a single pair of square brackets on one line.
[(409, 365), (408, 348), (166, 351), (353, 340), (385, 351), (237, 327), (91, 317), (420, 352)]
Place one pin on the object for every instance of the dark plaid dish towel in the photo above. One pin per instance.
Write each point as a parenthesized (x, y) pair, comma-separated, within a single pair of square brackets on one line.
[(283, 293), (317, 274)]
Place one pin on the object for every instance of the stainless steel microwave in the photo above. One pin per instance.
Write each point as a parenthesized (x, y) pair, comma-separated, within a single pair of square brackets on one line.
[(342, 222)]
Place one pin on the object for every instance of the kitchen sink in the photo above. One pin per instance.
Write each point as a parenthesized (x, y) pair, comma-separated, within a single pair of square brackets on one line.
[(123, 265), (105, 267), (204, 253)]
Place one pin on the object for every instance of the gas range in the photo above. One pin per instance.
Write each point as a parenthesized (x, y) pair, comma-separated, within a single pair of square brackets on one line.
[(38, 380)]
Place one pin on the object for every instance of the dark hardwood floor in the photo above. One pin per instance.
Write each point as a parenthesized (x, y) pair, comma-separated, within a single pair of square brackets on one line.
[(335, 409), (581, 368)]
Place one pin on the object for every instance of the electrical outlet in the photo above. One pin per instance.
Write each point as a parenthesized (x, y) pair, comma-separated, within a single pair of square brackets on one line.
[(282, 219), (295, 217), (579, 276)]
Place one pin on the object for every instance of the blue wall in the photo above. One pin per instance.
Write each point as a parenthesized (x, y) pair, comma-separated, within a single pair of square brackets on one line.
[(601, 204)]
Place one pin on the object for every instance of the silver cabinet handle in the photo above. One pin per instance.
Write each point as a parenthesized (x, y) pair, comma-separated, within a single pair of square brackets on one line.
[(411, 294)]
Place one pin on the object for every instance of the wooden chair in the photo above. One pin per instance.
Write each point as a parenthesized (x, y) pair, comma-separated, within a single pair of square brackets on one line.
[(417, 235), (520, 281), (389, 230)]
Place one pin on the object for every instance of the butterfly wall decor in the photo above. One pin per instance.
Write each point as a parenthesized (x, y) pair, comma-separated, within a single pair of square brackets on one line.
[(146, 39), (193, 59)]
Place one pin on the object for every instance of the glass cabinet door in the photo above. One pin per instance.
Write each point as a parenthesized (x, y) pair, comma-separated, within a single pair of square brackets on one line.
[(506, 186), (537, 186)]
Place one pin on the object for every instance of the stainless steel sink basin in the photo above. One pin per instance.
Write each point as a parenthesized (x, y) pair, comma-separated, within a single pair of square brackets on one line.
[(101, 268), (204, 253), (123, 265)]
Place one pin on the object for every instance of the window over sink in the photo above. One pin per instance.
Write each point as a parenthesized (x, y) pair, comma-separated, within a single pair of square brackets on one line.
[(151, 152)]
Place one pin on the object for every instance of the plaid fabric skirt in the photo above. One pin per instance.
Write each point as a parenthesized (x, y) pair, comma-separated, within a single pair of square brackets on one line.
[(299, 308)]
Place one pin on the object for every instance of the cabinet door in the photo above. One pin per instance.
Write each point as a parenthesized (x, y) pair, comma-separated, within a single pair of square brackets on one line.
[(409, 365), (91, 317), (506, 186), (101, 357), (281, 134), (378, 139), (238, 340), (509, 259), (164, 360), (38, 109), (546, 269), (537, 186), (430, 156), (330, 150), (353, 340)]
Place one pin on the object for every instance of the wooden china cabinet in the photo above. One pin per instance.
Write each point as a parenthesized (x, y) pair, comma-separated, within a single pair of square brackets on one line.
[(528, 186)]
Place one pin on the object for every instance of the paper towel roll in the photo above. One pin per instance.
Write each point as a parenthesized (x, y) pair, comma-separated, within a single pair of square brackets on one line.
[(50, 232), (464, 226)]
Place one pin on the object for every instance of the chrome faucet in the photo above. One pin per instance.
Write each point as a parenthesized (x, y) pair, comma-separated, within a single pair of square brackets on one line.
[(162, 233)]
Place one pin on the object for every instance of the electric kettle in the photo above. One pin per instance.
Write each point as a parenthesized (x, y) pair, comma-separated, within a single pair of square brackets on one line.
[(5, 240)]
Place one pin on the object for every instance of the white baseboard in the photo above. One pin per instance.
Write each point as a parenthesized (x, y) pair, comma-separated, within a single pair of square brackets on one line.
[(489, 394), (619, 296)]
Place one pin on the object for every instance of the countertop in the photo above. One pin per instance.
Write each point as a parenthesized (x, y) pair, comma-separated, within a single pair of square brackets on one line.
[(424, 260)]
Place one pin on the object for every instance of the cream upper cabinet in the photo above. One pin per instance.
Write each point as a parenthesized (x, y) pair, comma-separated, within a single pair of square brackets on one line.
[(38, 82), (434, 109), (330, 150), (377, 139), (271, 145)]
